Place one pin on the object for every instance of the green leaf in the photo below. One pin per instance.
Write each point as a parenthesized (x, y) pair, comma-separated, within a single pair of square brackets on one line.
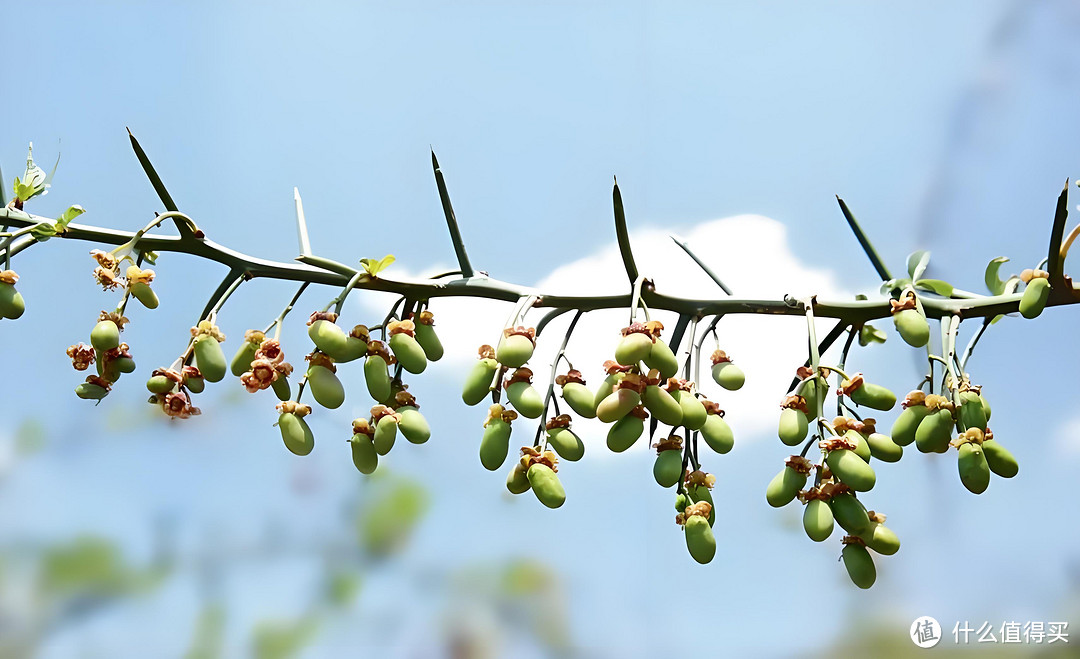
[(942, 288), (70, 214), (917, 262), (993, 281), (894, 285), (373, 267), (150, 257), (42, 232), (869, 334), (1008, 288)]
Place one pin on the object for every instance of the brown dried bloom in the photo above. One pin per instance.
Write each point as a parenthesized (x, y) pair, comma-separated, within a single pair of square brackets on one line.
[(9, 277), (81, 355), (108, 279)]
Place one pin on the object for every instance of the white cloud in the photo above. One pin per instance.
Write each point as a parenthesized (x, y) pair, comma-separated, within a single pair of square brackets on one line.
[(749, 252), (1067, 437)]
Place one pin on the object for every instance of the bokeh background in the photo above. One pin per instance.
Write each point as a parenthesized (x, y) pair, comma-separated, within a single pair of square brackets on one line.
[(949, 126)]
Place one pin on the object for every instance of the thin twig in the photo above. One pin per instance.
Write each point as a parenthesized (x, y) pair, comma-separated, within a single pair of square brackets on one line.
[(712, 275)]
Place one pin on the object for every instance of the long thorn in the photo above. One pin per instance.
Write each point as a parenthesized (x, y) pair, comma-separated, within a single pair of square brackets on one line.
[(451, 220), (301, 223), (623, 236), (871, 253), (712, 275), (155, 181), (1055, 264)]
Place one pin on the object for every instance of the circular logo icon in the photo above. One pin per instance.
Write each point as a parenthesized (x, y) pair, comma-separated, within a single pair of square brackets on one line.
[(925, 632)]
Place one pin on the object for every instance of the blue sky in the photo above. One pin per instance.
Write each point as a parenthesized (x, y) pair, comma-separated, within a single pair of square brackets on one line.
[(947, 126)]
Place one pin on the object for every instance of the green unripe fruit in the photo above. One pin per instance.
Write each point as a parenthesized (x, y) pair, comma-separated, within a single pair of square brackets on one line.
[(328, 337), (209, 358), (241, 361), (882, 539), (668, 469), (903, 430), (850, 514), (429, 341), (296, 433), (478, 382), (974, 470), (874, 396), (385, 434), (934, 431), (862, 448), (851, 470), (625, 432), (105, 336), (195, 385), (912, 327), (817, 520), (11, 302), (495, 444), (545, 485), (91, 391), (793, 426), (325, 387), (728, 375), (702, 493), (606, 387), (281, 388), (142, 292), (408, 352), (884, 448), (514, 350), (699, 539), (1035, 296), (525, 399), (517, 481), (617, 405), (662, 405), (567, 444), (681, 502), (662, 359), (377, 377), (813, 390), (784, 487), (108, 370), (580, 399), (717, 434), (860, 566), (159, 384), (364, 456), (693, 412), (971, 414), (633, 348), (998, 458), (413, 425), (986, 407), (354, 349), (125, 364)]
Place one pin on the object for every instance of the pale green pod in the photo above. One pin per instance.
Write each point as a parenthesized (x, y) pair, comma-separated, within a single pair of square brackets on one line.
[(617, 405), (478, 382), (517, 481), (545, 485), (328, 338), (159, 384), (429, 341), (999, 459), (728, 375), (12, 304), (408, 352), (813, 390), (934, 431), (862, 448), (986, 407), (105, 336), (606, 387), (702, 493), (851, 470), (633, 348), (354, 349), (625, 432), (526, 399), (108, 370), (974, 470), (364, 456), (884, 448), (325, 387), (377, 377), (817, 520), (566, 443), (700, 540), (662, 359), (881, 539), (281, 388), (784, 487), (850, 514), (514, 350), (793, 426), (662, 405), (912, 327), (681, 502), (413, 425), (668, 469), (1035, 296), (580, 399), (91, 391), (241, 361), (717, 434), (874, 396), (385, 434), (971, 413), (903, 430), (693, 412), (195, 385), (859, 565), (142, 292), (296, 433), (209, 358), (495, 444)]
